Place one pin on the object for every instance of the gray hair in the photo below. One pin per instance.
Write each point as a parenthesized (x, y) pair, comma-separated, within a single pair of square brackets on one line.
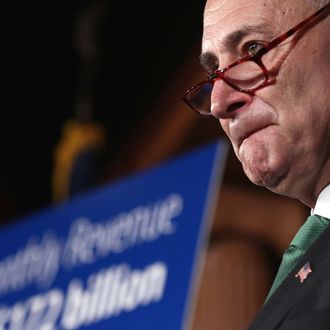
[(318, 3)]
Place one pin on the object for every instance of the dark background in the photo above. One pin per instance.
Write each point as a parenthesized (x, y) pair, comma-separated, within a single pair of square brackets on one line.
[(45, 74)]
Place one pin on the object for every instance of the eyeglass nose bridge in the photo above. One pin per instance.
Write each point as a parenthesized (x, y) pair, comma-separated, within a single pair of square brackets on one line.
[(219, 75)]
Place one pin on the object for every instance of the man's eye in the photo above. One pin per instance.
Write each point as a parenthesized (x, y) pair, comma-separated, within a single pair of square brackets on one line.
[(252, 48)]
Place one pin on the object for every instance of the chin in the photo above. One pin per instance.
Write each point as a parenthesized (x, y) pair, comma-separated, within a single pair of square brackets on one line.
[(263, 176), (280, 179), (266, 168)]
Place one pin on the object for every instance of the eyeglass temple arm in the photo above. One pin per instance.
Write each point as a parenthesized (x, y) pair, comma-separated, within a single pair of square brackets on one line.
[(292, 31)]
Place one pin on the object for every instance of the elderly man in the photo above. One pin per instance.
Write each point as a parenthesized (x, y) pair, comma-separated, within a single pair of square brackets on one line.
[(268, 84)]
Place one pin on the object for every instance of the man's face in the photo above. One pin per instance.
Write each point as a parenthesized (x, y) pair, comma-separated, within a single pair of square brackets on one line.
[(281, 133)]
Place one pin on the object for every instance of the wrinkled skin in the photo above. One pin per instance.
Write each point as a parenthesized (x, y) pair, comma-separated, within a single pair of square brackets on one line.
[(280, 133)]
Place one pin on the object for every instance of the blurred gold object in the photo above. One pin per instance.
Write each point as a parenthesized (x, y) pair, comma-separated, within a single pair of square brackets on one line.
[(77, 137)]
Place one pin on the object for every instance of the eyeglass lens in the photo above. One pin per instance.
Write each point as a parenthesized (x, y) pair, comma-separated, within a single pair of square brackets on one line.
[(247, 75)]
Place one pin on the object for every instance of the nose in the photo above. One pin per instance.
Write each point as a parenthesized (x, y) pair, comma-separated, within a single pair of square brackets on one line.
[(225, 100)]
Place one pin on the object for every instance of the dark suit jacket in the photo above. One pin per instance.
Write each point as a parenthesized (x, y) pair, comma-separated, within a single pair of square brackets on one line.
[(300, 306)]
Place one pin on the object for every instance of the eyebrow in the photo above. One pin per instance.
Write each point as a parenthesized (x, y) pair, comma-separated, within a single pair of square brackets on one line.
[(234, 38), (209, 60)]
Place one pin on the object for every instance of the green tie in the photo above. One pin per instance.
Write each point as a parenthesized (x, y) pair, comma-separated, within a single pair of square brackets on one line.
[(304, 238)]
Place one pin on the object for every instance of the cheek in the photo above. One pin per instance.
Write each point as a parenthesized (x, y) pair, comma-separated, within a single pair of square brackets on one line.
[(296, 82)]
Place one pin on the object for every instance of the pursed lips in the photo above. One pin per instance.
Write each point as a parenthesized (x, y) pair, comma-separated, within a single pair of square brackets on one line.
[(249, 120), (249, 133), (241, 130)]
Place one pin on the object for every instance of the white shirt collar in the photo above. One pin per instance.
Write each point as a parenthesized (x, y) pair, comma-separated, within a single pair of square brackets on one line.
[(322, 206)]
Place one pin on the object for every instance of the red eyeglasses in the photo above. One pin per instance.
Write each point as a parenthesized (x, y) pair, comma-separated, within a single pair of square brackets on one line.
[(246, 75)]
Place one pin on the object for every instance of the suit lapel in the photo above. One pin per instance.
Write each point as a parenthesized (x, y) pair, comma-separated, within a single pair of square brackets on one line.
[(291, 290)]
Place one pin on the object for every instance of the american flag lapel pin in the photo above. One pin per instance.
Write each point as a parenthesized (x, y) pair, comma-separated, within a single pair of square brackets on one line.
[(304, 272)]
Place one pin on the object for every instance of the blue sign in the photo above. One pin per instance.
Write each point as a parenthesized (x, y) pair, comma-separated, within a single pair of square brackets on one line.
[(126, 256)]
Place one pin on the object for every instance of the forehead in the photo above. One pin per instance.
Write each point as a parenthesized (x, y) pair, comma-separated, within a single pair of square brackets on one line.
[(224, 17)]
